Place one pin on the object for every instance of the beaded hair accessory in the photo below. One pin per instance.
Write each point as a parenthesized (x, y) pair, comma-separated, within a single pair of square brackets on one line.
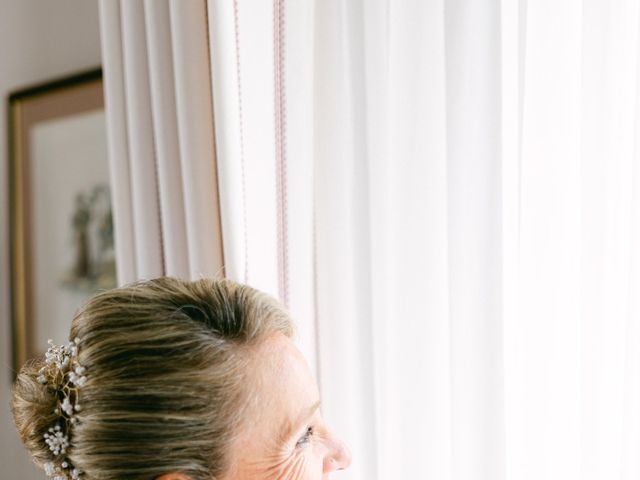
[(64, 374)]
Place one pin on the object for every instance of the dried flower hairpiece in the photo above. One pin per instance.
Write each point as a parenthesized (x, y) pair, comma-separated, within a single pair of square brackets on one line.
[(62, 372)]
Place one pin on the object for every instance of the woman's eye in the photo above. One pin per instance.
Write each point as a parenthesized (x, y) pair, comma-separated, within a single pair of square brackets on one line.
[(305, 438)]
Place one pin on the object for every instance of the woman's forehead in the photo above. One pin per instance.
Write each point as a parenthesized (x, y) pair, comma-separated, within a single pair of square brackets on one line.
[(286, 386)]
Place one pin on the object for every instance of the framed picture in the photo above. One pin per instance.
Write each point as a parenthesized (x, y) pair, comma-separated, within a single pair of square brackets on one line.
[(61, 229)]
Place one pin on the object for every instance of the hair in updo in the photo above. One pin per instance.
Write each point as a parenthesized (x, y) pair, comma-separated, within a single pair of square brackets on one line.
[(166, 379)]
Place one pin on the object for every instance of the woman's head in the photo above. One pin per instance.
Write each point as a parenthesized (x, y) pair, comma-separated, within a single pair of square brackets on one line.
[(180, 377)]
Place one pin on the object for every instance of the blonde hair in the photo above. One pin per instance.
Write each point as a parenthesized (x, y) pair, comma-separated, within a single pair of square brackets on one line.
[(166, 365)]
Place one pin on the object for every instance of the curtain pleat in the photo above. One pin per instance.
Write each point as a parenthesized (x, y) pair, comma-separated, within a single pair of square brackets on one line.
[(474, 202), (196, 130), (512, 60), (547, 378), (409, 182), (226, 87), (243, 72), (256, 56), (387, 387), (144, 187), (299, 81), (167, 148), (630, 460), (111, 41), (341, 225), (608, 142), (631, 414)]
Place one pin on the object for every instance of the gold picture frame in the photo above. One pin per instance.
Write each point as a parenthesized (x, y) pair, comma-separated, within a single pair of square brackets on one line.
[(51, 126)]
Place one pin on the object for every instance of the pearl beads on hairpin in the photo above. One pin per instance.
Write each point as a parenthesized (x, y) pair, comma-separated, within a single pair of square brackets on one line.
[(62, 366)]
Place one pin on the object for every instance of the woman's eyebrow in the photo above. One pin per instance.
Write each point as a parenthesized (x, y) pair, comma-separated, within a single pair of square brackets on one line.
[(289, 427)]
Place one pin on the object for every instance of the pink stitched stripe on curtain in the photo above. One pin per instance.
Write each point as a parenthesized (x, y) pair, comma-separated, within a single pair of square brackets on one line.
[(236, 26), (281, 159)]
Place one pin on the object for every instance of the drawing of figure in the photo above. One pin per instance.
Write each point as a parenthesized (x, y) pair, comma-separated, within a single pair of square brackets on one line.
[(80, 223)]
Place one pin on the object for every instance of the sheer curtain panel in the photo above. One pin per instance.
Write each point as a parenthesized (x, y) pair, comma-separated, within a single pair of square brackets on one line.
[(461, 208)]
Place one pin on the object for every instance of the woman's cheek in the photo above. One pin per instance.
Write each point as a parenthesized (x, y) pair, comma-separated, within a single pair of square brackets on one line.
[(296, 469), (284, 466), (304, 464)]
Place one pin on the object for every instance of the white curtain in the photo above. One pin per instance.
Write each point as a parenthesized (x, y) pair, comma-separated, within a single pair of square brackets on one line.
[(445, 194), (161, 142), (461, 207)]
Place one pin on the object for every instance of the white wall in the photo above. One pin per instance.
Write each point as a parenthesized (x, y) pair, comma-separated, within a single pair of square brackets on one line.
[(39, 40)]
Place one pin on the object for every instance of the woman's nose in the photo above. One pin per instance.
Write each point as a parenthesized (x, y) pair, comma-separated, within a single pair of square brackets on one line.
[(338, 458)]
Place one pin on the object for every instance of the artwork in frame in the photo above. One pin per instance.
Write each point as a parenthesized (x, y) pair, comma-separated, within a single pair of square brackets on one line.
[(61, 228)]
